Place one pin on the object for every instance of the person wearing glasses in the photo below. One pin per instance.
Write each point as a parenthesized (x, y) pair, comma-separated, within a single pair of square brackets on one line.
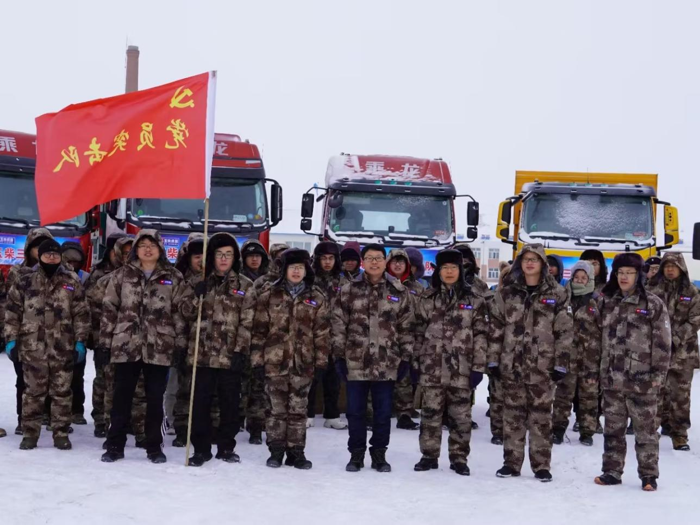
[(636, 352), (532, 327), (46, 325), (373, 342), (143, 328), (224, 345), (290, 347), (600, 267)]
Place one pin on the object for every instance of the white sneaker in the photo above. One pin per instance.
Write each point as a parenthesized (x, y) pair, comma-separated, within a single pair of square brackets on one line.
[(336, 424), (310, 422)]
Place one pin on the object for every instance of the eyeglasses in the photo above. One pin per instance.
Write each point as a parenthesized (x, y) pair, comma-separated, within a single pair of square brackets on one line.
[(374, 259), (52, 255), (296, 267), (626, 274), (223, 256), (146, 246), (531, 259)]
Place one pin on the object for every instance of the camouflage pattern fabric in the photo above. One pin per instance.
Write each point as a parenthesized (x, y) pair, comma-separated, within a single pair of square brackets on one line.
[(496, 407), (18, 269), (457, 402), (286, 424)]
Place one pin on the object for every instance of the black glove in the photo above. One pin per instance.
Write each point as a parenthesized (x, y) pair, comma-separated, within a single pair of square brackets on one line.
[(475, 378), (238, 363), (341, 366), (258, 373), (557, 375), (494, 371), (101, 357), (200, 289), (318, 374), (404, 369)]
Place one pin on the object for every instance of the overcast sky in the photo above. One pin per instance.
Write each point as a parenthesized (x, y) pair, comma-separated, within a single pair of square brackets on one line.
[(489, 86)]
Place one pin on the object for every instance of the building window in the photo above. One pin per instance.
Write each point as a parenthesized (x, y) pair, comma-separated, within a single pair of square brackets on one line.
[(493, 273), (477, 254), (494, 253)]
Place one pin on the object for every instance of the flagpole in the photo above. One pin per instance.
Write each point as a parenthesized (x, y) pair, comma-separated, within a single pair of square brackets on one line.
[(196, 338)]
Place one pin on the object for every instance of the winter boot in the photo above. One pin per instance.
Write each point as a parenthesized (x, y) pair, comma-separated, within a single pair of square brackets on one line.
[(630, 429), (506, 472), (460, 468), (199, 459), (497, 440), (598, 427), (79, 419), (575, 427), (255, 435), (379, 463), (680, 443), (414, 414), (276, 457), (336, 424), (46, 421), (665, 431), (18, 429), (558, 436), (586, 440), (140, 441), (157, 457), (475, 425), (2, 433), (229, 456), (180, 441), (357, 460), (543, 475), (406, 423), (28, 443), (300, 461), (113, 454), (62, 443), (291, 458), (425, 464), (649, 484), (488, 413), (100, 431), (607, 480)]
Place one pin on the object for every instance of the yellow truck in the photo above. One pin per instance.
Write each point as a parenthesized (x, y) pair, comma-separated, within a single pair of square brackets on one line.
[(573, 212)]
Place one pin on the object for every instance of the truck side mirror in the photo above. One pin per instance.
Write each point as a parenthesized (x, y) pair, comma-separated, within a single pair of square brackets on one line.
[(671, 235), (305, 225), (277, 203), (473, 213), (504, 214), (336, 200), (696, 241), (307, 205), (472, 233)]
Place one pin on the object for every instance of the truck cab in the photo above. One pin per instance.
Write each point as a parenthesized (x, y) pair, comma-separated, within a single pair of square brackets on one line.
[(238, 203), (572, 212), (395, 201)]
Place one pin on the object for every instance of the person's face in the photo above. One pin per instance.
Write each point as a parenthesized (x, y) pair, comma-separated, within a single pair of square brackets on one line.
[(596, 266), (414, 270), (50, 257), (531, 265), (581, 277), (113, 257), (196, 263), (375, 263), (671, 271), (397, 266), (327, 262), (653, 270), (350, 265), (253, 261), (147, 251), (223, 259), (627, 278), (296, 273), (126, 250), (34, 253), (553, 270), (449, 273)]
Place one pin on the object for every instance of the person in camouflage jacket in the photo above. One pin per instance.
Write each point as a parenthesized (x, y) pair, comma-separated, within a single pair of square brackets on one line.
[(532, 335), (673, 286), (451, 347), (636, 352), (143, 329), (46, 325), (291, 343)]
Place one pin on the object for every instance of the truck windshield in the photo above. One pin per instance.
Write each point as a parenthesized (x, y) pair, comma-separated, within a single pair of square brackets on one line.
[(18, 200), (580, 216), (233, 200), (386, 214)]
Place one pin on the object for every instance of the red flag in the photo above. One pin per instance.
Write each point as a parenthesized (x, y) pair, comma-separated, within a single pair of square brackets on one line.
[(152, 144)]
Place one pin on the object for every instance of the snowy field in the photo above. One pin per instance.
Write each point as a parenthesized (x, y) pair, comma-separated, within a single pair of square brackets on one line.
[(73, 487)]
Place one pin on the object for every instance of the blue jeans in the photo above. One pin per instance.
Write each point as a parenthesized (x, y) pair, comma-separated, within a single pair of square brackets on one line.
[(382, 401)]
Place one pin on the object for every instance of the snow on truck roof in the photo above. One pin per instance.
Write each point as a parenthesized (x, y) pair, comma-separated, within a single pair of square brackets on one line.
[(385, 167)]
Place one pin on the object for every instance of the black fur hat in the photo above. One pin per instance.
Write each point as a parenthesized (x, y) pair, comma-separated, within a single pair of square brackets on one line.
[(449, 256), (625, 260)]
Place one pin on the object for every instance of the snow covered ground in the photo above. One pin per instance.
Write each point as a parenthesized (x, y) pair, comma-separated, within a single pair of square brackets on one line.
[(56, 487)]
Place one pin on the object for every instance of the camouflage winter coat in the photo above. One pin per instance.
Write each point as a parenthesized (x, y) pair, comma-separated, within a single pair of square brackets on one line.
[(330, 285), (290, 334), (682, 301), (142, 318), (636, 344), (452, 337), (586, 348), (18, 269), (46, 316), (531, 333), (373, 328)]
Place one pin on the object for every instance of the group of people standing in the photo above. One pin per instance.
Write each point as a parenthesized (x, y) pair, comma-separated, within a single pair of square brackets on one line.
[(275, 326)]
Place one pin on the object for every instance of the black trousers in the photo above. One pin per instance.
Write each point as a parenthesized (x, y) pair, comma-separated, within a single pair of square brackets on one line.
[(126, 375), (19, 387), (227, 386), (78, 388), (331, 393)]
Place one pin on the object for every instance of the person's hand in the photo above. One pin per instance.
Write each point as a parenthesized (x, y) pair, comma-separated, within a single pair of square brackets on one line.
[(11, 351), (81, 351), (475, 378), (200, 289)]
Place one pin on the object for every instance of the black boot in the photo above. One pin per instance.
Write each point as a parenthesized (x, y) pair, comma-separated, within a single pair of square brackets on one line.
[(586, 440), (28, 443), (300, 461), (62, 443), (497, 440), (649, 484), (291, 458), (180, 441), (229, 456), (199, 459), (506, 472), (558, 436), (79, 419), (276, 457), (157, 457), (575, 427), (543, 475), (379, 462), (100, 431), (607, 479), (406, 423), (140, 442), (18, 429), (113, 454), (630, 429), (255, 436), (460, 468), (475, 425), (425, 464), (357, 460)]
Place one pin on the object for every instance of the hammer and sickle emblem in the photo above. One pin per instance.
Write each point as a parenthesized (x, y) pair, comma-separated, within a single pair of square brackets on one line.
[(180, 94)]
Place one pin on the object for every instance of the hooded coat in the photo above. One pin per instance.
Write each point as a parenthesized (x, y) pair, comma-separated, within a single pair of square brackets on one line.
[(479, 287), (586, 348), (34, 238), (556, 261), (227, 312), (531, 332), (183, 258), (254, 247), (142, 317), (351, 251), (330, 282), (273, 271), (414, 287), (291, 335), (682, 301), (82, 274)]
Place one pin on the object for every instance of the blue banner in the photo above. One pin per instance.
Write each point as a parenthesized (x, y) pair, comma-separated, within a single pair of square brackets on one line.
[(12, 247), (173, 242)]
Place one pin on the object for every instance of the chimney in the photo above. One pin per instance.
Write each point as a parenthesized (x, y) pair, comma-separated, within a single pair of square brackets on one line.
[(132, 69)]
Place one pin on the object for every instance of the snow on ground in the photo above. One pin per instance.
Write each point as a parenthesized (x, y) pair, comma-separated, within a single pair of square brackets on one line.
[(55, 487)]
